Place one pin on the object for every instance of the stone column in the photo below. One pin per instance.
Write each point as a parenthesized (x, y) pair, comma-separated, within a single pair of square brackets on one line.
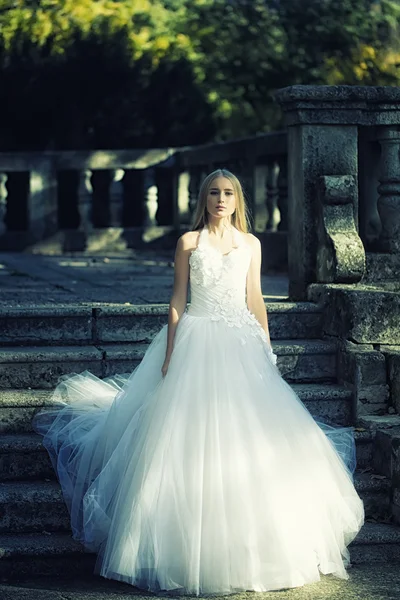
[(323, 126), (42, 207), (389, 189)]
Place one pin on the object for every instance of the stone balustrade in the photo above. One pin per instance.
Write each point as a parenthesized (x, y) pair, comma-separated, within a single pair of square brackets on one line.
[(345, 132), (79, 193)]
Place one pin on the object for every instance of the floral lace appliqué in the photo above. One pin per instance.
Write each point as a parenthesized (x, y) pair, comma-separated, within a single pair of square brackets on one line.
[(237, 316)]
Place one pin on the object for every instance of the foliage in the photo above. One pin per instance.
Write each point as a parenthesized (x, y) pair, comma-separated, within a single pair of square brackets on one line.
[(120, 73)]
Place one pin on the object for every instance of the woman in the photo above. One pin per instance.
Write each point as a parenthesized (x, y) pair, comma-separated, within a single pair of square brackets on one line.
[(203, 472)]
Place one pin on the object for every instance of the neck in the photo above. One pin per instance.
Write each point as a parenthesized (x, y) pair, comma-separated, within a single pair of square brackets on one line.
[(219, 226)]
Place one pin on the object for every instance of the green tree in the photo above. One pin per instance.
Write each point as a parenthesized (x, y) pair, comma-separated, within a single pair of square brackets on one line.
[(105, 73), (83, 73)]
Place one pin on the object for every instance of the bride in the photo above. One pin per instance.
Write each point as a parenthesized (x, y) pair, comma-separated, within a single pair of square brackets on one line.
[(202, 472)]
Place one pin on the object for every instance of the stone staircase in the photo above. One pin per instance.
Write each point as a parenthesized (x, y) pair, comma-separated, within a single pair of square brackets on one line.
[(41, 343)]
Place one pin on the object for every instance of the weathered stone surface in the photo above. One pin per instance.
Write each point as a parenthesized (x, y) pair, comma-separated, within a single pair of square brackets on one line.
[(340, 253), (129, 324), (364, 314), (307, 361), (364, 448), (363, 370), (23, 457), (315, 150), (41, 367), (374, 423), (362, 363), (74, 324), (122, 358), (45, 325), (392, 355), (29, 506), (382, 267), (340, 104), (387, 461)]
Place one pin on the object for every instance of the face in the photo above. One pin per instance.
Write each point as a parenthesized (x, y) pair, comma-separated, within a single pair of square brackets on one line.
[(221, 201)]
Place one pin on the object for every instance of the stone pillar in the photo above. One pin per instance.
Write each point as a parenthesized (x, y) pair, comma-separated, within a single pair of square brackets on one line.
[(389, 189), (323, 126)]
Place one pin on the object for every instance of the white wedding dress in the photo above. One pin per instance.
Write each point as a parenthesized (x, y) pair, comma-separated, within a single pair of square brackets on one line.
[(216, 478)]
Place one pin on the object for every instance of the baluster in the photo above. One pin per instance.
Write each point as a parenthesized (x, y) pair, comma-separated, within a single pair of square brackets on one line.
[(194, 186), (389, 189), (116, 197), (282, 200), (272, 195), (151, 198), (183, 197), (85, 200), (3, 202)]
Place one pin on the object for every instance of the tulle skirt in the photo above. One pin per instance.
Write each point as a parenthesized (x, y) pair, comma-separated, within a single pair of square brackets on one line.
[(212, 480)]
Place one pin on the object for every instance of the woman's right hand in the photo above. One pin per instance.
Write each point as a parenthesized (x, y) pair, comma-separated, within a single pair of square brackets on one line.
[(165, 366)]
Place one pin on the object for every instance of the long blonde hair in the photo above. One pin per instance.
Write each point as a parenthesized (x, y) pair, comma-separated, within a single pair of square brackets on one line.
[(239, 219)]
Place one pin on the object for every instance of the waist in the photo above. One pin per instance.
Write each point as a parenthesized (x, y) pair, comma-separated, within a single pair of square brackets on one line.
[(217, 307)]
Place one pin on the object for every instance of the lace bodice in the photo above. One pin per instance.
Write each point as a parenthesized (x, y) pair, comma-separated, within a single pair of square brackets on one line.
[(218, 283)]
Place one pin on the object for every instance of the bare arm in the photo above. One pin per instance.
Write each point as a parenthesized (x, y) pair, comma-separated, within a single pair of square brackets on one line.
[(255, 301), (178, 300)]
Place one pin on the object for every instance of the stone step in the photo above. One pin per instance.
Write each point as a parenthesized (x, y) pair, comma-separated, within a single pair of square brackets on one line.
[(28, 506), (23, 457), (86, 324), (17, 407), (41, 367), (57, 554)]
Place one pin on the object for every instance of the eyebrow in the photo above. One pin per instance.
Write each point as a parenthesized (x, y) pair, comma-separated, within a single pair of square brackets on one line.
[(217, 189)]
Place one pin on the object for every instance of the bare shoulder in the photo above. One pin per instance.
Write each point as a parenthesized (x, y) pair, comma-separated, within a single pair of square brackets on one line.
[(253, 241), (188, 241)]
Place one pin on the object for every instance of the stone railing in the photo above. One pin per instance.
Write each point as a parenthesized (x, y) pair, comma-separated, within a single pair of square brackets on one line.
[(330, 185), (344, 184), (136, 190)]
